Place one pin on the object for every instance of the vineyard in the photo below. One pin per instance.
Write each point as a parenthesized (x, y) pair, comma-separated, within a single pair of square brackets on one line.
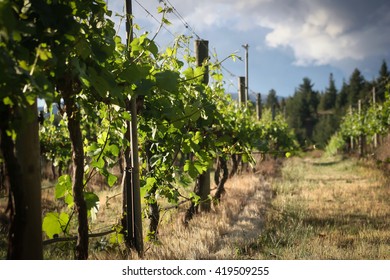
[(362, 129), (104, 91), (124, 121)]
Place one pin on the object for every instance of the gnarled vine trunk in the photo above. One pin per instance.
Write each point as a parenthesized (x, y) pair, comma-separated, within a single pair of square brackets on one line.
[(222, 165), (154, 209), (76, 139), (201, 181), (236, 159), (154, 218), (191, 211)]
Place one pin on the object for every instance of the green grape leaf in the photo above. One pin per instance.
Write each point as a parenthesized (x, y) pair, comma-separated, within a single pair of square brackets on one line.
[(116, 238), (44, 54), (92, 200), (69, 200), (195, 198), (147, 186), (167, 80), (244, 158), (114, 150), (63, 186), (200, 168), (82, 48), (188, 73), (192, 169), (111, 179), (54, 224), (8, 101), (98, 164)]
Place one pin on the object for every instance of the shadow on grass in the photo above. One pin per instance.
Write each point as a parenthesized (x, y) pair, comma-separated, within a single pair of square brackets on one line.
[(328, 163), (351, 223)]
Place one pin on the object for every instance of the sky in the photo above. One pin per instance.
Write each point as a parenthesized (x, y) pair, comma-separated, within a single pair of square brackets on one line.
[(288, 39)]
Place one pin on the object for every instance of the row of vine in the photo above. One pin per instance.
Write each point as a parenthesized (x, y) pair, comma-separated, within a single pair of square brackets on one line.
[(68, 54), (366, 124)]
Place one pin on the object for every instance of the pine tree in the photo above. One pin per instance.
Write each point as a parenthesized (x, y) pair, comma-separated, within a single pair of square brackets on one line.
[(272, 99), (382, 82), (356, 87), (302, 111), (342, 98), (328, 99), (327, 125), (327, 118)]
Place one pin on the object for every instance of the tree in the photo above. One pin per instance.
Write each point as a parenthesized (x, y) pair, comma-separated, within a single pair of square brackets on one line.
[(342, 98), (302, 111), (356, 87), (328, 98), (272, 99), (326, 126), (327, 118), (382, 81)]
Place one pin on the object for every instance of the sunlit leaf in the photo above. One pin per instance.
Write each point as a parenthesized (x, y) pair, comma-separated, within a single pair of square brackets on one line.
[(8, 101), (44, 54), (114, 150), (54, 224), (111, 179), (63, 186), (116, 238)]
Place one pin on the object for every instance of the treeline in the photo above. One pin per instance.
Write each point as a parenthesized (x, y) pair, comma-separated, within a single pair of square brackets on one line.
[(316, 115)]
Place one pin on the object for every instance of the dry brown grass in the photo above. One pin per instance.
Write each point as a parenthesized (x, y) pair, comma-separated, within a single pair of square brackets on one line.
[(315, 208), (328, 209), (219, 234)]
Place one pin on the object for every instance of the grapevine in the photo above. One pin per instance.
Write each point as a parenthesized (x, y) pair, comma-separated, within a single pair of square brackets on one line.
[(375, 120), (82, 67)]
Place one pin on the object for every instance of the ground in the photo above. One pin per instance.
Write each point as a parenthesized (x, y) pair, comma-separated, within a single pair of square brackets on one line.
[(310, 207)]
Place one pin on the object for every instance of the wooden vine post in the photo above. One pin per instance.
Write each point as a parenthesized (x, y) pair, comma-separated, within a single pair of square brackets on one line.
[(28, 153), (258, 107), (202, 56), (273, 111), (351, 140), (361, 136), (246, 47), (132, 222), (22, 162), (241, 91), (374, 104)]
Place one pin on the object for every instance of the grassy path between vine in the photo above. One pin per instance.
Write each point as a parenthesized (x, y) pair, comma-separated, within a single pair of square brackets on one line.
[(328, 208), (220, 234), (312, 208), (317, 208)]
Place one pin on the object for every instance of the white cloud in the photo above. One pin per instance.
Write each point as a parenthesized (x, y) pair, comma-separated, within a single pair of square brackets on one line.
[(318, 32), (202, 18), (315, 39)]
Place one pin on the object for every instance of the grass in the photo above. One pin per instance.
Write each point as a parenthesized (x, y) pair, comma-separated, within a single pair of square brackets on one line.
[(328, 208), (218, 234), (313, 208)]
